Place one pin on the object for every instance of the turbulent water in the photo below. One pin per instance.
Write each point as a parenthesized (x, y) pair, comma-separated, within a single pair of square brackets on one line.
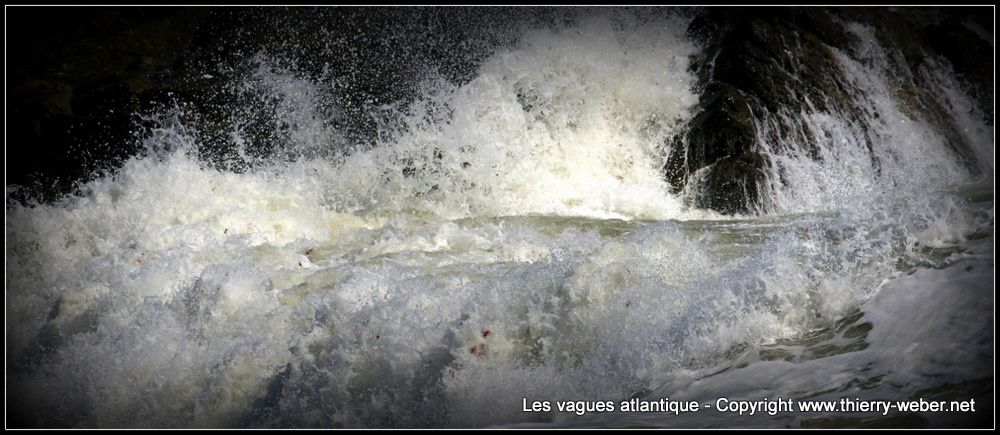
[(511, 236)]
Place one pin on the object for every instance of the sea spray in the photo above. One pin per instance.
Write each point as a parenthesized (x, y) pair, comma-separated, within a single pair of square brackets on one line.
[(507, 236)]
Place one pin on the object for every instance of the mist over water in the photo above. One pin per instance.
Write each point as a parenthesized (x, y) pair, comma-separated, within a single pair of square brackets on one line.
[(502, 235)]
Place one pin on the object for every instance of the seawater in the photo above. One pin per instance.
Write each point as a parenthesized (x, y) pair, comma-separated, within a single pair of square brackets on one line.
[(509, 237)]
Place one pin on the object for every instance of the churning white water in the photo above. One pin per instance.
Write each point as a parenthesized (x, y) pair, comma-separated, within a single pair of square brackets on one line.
[(570, 122), (510, 237)]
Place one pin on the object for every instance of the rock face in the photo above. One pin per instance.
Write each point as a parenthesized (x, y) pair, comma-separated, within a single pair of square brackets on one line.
[(757, 63), (761, 68)]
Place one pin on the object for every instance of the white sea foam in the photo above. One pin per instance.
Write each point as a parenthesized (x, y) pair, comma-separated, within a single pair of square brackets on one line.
[(514, 238), (569, 122)]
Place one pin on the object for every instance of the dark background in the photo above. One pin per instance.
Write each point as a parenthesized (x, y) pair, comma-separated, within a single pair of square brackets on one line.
[(78, 78)]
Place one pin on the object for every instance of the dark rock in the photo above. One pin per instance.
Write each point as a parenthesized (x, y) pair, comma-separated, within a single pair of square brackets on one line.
[(719, 155), (724, 128), (732, 184), (762, 68), (757, 63)]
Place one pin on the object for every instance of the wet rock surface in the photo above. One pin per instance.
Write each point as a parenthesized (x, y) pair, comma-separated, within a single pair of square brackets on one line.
[(762, 68)]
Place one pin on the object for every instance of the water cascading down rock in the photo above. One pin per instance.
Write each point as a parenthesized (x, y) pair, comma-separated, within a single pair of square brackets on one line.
[(762, 69)]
